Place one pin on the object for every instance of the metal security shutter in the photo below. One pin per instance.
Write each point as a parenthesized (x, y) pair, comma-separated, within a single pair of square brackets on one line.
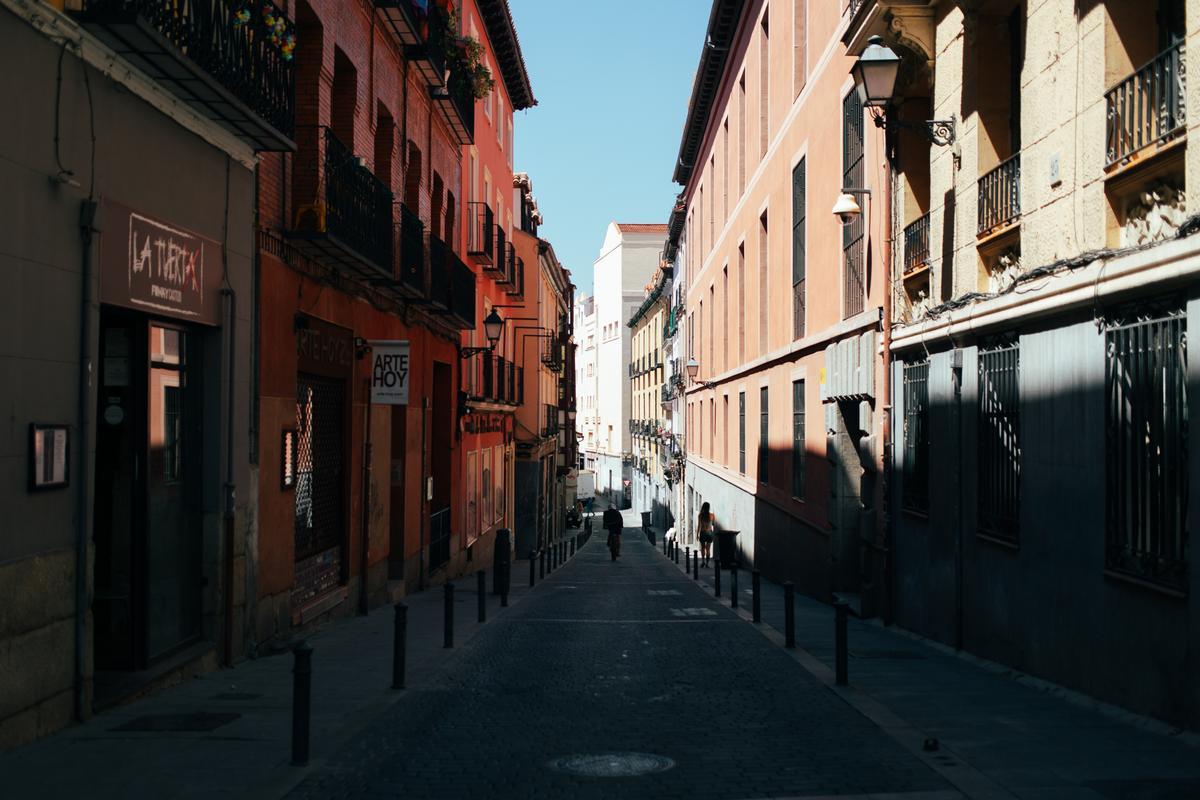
[(320, 485)]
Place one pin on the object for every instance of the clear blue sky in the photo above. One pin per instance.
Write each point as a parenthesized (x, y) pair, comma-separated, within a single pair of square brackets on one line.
[(612, 81)]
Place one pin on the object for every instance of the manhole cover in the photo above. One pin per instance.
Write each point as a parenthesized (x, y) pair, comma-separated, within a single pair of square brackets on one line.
[(612, 765), (198, 723)]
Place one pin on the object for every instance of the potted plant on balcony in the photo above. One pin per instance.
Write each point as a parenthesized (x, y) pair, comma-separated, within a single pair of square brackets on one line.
[(464, 56)]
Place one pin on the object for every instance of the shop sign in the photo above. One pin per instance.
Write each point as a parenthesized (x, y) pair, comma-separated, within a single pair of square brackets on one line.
[(323, 348), (389, 372), (159, 268)]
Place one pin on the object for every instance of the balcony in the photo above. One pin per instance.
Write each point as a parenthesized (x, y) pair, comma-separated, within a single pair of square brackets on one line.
[(423, 31), (999, 202), (451, 285), (240, 75), (916, 244), (552, 354), (500, 247), (517, 284), (410, 246), (1147, 108), (480, 232), (456, 102), (352, 229), (509, 259)]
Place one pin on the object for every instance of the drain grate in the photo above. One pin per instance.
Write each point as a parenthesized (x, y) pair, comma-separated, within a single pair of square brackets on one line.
[(199, 722), (612, 765)]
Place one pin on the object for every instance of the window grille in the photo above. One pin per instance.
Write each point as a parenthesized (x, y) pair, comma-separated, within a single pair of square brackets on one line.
[(798, 248), (742, 432), (764, 451), (915, 493), (999, 472), (854, 283), (1147, 458), (320, 485), (798, 453)]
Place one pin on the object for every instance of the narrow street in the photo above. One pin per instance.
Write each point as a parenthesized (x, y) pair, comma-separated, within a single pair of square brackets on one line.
[(606, 660)]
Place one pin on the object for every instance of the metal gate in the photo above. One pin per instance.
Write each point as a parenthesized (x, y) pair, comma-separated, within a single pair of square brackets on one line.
[(320, 485)]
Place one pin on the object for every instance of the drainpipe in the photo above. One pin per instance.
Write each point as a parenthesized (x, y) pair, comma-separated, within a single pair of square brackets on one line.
[(87, 227), (883, 521)]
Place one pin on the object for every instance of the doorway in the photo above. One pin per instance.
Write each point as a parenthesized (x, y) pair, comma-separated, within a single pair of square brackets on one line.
[(149, 548)]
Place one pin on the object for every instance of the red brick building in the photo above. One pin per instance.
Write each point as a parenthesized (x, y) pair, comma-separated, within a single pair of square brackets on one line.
[(360, 240)]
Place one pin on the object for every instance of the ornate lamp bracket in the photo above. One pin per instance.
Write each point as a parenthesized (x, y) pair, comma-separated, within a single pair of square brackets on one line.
[(938, 131)]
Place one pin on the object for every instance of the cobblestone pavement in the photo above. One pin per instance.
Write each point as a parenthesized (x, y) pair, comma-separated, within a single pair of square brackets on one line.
[(605, 659)]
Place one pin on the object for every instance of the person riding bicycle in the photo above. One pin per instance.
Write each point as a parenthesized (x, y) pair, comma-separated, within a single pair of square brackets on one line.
[(614, 523)]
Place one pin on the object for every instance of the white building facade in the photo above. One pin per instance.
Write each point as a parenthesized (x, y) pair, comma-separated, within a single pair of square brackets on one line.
[(587, 419), (627, 260)]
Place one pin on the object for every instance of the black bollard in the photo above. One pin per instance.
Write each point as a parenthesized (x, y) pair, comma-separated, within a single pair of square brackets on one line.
[(542, 564), (696, 566), (840, 608), (448, 627), (756, 591), (532, 568), (687, 559), (733, 590), (301, 702), (717, 576), (675, 547), (399, 645), (481, 582), (789, 614)]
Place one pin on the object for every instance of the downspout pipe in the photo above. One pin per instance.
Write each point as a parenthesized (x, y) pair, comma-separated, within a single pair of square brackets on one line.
[(87, 231), (884, 519)]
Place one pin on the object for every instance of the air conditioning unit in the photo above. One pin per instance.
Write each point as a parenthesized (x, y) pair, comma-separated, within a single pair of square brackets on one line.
[(311, 218)]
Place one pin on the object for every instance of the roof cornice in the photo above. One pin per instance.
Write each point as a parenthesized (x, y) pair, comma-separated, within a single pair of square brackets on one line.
[(722, 26), (503, 35)]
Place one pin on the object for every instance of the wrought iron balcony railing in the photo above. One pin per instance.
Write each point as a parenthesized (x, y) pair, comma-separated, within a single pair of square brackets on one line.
[(480, 232), (1000, 195), (517, 287), (462, 292), (498, 264), (916, 244), (410, 241), (509, 253), (352, 227), (439, 274), (238, 73), (1147, 107), (457, 103), (423, 30)]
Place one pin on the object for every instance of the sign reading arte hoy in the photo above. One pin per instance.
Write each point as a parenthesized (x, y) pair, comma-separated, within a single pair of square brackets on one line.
[(157, 267), (389, 372)]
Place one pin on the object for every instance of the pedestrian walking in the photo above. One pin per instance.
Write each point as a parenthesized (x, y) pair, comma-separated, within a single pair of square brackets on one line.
[(704, 532)]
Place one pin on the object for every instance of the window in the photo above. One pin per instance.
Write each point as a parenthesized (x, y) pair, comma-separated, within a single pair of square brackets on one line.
[(798, 452), (741, 303), (742, 432), (999, 473), (764, 444), (725, 316), (799, 46), (764, 77), (712, 430), (725, 432), (915, 474), (1147, 453), (712, 205), (853, 285), (764, 299), (798, 249), (710, 353), (742, 134), (725, 171)]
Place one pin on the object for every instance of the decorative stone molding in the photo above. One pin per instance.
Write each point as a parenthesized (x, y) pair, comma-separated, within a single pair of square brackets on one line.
[(913, 27), (1154, 214)]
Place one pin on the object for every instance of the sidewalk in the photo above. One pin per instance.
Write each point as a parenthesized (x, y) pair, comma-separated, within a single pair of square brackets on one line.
[(228, 733), (999, 733)]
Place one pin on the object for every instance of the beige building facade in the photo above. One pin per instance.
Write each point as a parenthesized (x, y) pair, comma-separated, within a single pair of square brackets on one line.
[(647, 426)]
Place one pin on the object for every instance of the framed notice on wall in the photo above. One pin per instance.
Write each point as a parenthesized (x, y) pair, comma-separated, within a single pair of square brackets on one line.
[(49, 456)]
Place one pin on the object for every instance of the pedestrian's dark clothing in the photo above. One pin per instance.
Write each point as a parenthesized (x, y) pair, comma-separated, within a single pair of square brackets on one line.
[(612, 520)]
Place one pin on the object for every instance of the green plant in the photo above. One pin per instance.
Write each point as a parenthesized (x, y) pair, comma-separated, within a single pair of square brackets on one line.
[(464, 56)]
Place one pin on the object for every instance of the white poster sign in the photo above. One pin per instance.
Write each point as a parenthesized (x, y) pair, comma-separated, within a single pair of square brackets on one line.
[(389, 372)]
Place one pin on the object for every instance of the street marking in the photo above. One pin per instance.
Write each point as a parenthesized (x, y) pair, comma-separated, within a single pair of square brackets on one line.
[(693, 612), (662, 592)]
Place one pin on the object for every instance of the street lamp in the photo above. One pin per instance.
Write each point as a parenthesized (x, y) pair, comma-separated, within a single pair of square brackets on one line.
[(570, 415), (493, 326), (876, 71), (693, 369)]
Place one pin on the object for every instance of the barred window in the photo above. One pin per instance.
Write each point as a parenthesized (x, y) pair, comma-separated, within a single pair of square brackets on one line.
[(1147, 458), (798, 454), (853, 171), (915, 493), (742, 432), (798, 249), (999, 472), (764, 451)]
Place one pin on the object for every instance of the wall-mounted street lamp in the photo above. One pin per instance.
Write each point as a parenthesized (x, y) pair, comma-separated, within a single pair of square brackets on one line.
[(693, 369), (846, 209), (493, 326), (875, 71)]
